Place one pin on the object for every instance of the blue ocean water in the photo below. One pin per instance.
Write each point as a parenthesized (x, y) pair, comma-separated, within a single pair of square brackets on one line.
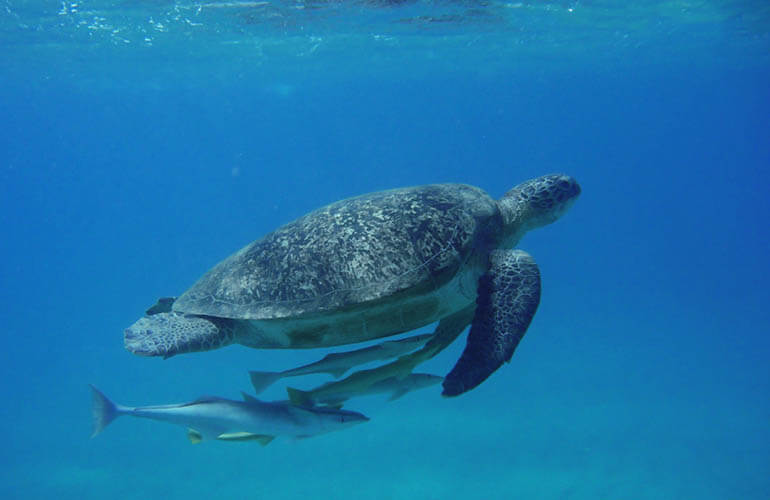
[(143, 141)]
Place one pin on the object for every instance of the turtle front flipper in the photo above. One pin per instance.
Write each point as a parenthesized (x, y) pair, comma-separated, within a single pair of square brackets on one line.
[(508, 296), (169, 333)]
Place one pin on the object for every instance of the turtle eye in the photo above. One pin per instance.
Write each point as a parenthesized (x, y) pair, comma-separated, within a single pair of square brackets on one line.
[(564, 188)]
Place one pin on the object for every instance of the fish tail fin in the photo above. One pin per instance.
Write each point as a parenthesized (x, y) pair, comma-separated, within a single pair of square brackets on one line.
[(300, 398), (263, 380), (104, 410)]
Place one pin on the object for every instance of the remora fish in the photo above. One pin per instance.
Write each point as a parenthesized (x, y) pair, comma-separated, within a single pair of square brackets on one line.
[(219, 418), (397, 387), (358, 382), (337, 364)]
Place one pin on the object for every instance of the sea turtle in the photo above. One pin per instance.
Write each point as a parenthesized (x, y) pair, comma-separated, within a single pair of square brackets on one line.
[(372, 266)]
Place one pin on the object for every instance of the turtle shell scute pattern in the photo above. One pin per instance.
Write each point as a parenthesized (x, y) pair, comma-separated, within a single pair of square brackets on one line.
[(350, 252)]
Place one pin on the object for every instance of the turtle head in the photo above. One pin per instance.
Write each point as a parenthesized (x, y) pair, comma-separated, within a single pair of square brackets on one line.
[(535, 203)]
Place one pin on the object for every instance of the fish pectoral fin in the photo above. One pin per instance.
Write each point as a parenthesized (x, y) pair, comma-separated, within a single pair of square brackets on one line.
[(262, 439), (194, 436)]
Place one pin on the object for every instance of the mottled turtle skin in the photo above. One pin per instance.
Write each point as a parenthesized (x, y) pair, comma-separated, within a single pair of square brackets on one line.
[(367, 267)]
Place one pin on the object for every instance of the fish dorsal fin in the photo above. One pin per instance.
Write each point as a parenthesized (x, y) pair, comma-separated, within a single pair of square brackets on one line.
[(194, 436), (249, 398)]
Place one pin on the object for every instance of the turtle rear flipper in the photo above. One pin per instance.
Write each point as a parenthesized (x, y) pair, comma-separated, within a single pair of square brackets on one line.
[(169, 333), (508, 296), (163, 305)]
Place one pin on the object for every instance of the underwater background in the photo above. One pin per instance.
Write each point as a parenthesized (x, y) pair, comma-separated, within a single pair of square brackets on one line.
[(144, 140)]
